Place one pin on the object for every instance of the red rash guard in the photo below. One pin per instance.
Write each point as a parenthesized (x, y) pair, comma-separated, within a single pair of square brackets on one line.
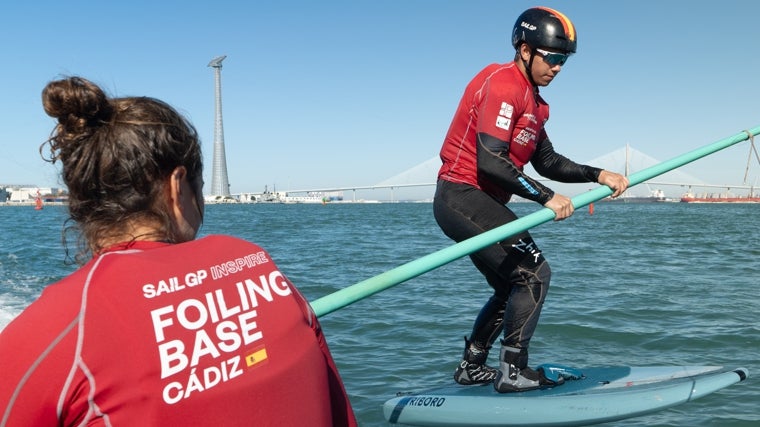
[(202, 333), (497, 129)]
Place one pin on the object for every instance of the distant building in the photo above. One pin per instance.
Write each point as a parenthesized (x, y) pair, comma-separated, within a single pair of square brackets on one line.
[(28, 194)]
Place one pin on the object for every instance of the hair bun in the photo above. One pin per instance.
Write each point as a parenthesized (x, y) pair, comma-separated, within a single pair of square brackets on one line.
[(77, 103)]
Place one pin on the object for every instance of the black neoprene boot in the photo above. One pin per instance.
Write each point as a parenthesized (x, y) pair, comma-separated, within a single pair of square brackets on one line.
[(515, 375), (472, 368)]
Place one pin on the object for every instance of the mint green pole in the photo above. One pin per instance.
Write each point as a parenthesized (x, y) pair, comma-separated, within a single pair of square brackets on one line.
[(339, 299)]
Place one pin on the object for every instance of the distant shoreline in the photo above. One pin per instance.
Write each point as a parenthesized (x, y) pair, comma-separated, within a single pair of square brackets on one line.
[(32, 203)]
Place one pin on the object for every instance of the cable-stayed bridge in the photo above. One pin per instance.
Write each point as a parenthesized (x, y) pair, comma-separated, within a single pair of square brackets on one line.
[(418, 183)]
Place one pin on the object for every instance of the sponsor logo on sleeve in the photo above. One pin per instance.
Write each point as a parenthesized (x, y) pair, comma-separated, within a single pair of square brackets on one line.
[(525, 137), (504, 119)]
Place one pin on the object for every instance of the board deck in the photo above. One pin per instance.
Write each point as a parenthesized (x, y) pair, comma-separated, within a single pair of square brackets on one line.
[(603, 394)]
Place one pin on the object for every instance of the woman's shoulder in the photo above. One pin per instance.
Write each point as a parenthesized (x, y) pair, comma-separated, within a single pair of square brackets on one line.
[(224, 240)]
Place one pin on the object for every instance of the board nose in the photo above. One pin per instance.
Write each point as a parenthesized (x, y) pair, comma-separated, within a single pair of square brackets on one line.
[(742, 372)]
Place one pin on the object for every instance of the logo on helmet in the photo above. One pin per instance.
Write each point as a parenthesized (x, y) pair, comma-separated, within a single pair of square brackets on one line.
[(528, 26)]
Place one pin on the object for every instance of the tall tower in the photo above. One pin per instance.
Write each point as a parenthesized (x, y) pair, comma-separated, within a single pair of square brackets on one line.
[(220, 186)]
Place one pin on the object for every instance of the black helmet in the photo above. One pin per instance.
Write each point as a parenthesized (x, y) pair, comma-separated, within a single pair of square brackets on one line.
[(544, 27)]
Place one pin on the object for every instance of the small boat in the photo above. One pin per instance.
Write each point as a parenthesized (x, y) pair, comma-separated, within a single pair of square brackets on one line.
[(720, 199), (689, 197), (655, 196)]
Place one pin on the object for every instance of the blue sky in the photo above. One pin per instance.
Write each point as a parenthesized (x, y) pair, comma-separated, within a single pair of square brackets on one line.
[(338, 93)]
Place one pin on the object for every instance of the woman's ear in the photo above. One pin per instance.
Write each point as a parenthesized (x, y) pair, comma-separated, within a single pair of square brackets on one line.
[(184, 205), (175, 190)]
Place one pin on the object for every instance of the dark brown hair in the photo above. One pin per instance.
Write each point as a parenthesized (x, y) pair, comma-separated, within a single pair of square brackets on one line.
[(116, 154)]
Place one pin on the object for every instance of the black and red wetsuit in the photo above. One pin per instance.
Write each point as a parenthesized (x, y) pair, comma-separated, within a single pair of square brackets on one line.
[(203, 333), (497, 129)]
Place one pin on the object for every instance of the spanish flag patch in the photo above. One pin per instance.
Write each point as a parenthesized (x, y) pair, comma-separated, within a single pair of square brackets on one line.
[(256, 357)]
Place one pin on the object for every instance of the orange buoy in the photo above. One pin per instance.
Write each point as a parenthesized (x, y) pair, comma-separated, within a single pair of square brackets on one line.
[(38, 201)]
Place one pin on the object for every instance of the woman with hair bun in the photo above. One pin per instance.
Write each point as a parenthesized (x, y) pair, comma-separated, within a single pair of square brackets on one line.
[(156, 327)]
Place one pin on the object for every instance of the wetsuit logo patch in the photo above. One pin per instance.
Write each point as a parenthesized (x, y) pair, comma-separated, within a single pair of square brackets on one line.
[(528, 247)]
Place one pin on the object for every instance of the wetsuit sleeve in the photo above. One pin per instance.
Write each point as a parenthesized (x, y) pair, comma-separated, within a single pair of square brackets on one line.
[(496, 166), (552, 165)]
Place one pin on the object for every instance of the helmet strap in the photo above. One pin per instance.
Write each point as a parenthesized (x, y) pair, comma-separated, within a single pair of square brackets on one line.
[(529, 66)]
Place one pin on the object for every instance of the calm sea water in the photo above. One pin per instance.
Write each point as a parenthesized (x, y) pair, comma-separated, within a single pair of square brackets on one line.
[(634, 284)]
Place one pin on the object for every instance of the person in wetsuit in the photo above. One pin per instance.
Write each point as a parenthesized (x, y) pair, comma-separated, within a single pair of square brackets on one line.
[(497, 129), (158, 328)]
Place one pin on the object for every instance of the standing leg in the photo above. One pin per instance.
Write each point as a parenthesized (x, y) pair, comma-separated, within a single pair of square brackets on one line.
[(463, 212), (472, 369), (529, 283)]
